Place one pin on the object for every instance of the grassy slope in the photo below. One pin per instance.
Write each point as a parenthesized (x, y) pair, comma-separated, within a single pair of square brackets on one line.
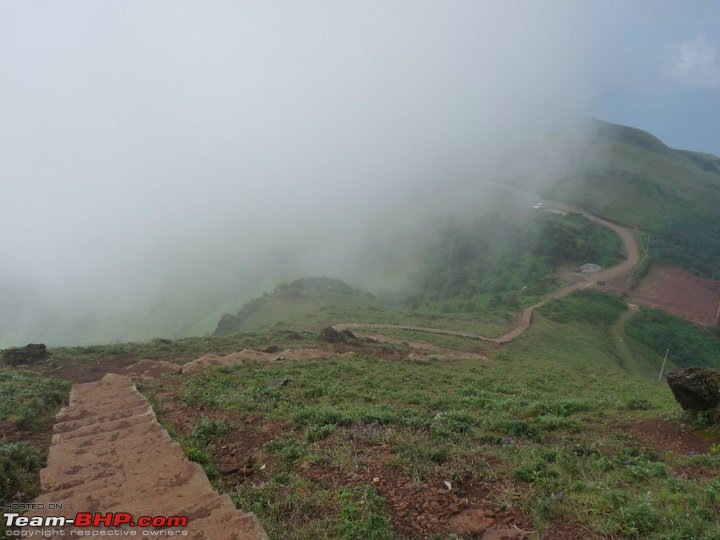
[(27, 403), (546, 428), (673, 195), (297, 307), (547, 425), (474, 278)]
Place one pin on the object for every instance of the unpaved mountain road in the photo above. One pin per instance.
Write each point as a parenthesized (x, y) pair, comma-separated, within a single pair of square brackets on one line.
[(632, 258), (109, 454)]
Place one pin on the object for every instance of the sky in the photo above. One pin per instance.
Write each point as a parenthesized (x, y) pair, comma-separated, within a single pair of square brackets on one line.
[(666, 78), (162, 161)]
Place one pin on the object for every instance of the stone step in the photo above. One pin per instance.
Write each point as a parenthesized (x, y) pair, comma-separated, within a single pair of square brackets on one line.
[(109, 454)]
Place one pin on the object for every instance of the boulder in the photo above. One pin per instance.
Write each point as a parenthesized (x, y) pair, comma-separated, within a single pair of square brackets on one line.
[(332, 335), (32, 352), (277, 383), (696, 388), (335, 336)]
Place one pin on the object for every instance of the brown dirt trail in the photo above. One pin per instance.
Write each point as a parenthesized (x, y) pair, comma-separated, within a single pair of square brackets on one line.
[(630, 247), (109, 454)]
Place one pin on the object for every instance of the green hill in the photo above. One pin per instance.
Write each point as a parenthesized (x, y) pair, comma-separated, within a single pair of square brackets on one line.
[(307, 302), (673, 195), (310, 304)]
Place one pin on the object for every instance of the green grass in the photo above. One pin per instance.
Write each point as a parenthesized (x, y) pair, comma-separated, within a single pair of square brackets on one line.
[(689, 344), (504, 261), (545, 420), (587, 306), (29, 400), (442, 340), (309, 309), (19, 465), (640, 182), (474, 278)]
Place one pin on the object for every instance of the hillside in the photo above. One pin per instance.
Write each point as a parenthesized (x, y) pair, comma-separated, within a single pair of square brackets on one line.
[(358, 436), (631, 177), (310, 304), (474, 274)]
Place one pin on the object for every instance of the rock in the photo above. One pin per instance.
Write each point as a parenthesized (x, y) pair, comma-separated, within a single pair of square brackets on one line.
[(471, 522), (332, 335), (696, 388), (277, 383), (335, 336), (348, 334), (32, 352)]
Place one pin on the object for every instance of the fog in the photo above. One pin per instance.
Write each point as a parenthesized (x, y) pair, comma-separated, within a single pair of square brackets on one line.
[(162, 162)]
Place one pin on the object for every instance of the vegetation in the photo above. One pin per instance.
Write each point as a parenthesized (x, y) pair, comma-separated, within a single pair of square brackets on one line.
[(689, 344), (29, 400), (304, 300), (587, 306), (671, 195), (19, 465), (504, 262), (546, 427), (311, 304), (195, 445)]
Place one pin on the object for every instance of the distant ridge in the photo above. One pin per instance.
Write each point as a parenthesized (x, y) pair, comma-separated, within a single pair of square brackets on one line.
[(647, 141)]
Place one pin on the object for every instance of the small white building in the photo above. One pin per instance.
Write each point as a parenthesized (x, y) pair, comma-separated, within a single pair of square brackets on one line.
[(589, 268)]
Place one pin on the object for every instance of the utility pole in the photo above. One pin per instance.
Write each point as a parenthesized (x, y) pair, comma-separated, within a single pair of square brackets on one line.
[(663, 364)]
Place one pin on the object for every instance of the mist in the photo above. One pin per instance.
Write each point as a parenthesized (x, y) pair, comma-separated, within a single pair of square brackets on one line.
[(162, 162)]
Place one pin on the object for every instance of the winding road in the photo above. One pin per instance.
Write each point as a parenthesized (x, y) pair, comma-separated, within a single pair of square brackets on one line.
[(632, 258)]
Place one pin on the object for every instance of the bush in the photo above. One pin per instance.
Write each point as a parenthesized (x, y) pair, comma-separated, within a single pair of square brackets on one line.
[(29, 400), (587, 305), (19, 462), (689, 344)]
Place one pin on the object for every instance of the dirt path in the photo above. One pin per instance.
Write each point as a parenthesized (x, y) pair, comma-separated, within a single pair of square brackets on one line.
[(109, 454), (630, 247)]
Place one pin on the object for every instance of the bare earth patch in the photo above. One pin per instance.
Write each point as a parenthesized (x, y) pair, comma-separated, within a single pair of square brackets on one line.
[(676, 291)]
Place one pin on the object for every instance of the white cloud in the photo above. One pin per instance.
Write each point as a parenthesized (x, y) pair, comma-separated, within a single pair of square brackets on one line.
[(696, 63)]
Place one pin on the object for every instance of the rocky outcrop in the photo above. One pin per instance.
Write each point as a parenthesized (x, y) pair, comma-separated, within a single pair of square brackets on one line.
[(696, 388), (335, 336), (32, 352)]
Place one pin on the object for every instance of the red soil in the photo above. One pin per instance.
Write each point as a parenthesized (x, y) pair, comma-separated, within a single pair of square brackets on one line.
[(671, 289)]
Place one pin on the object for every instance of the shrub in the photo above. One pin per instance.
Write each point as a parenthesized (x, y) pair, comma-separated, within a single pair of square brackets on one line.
[(19, 462), (587, 305)]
